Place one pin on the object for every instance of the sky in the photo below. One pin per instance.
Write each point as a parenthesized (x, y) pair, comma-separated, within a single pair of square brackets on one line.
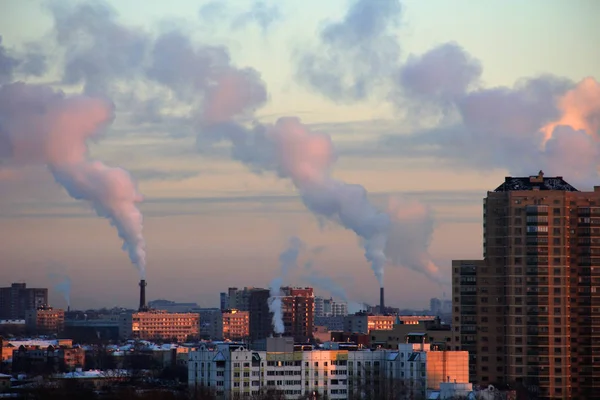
[(204, 135)]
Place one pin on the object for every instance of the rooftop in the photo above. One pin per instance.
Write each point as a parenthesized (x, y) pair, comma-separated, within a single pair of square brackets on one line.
[(539, 182)]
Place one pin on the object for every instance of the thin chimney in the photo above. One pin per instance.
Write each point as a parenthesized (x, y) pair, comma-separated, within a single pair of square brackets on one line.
[(381, 301), (143, 295)]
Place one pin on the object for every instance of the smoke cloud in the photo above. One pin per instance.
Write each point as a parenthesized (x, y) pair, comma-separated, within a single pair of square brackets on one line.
[(212, 95), (30, 62), (354, 55), (544, 123), (62, 284), (410, 236), (323, 282), (41, 126), (288, 259), (293, 151)]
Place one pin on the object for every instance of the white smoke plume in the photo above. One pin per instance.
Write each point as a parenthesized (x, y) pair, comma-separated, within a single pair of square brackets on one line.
[(62, 284), (293, 151), (109, 58), (288, 259), (40, 126)]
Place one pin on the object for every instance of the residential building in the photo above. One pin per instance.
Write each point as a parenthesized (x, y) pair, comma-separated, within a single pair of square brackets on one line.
[(435, 306), (5, 382), (17, 299), (46, 320), (339, 372), (236, 325), (37, 358), (160, 325), (328, 308), (528, 311), (261, 325), (298, 313), (211, 323)]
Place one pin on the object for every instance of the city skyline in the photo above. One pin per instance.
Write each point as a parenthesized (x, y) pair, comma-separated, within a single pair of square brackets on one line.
[(208, 219)]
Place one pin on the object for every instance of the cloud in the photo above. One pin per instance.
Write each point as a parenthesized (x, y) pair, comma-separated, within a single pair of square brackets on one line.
[(262, 13), (163, 79), (545, 122), (150, 174), (27, 62), (354, 55)]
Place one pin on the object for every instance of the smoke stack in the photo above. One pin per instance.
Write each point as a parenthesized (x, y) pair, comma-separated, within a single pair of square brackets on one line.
[(143, 295), (381, 301)]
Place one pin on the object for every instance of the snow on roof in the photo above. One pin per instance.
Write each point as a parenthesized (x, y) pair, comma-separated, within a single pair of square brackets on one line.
[(33, 343), (5, 376), (92, 374)]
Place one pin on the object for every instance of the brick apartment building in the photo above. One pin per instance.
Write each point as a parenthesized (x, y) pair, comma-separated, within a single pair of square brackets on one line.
[(529, 311)]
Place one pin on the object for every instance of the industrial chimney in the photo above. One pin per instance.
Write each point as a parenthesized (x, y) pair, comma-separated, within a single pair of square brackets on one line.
[(381, 301), (143, 295)]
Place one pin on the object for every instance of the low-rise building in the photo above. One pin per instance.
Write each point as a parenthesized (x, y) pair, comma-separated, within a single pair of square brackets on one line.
[(39, 359), (5, 382), (365, 323), (437, 333), (160, 325)]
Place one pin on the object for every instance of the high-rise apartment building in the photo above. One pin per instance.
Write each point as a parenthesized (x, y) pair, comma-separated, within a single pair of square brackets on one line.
[(297, 305), (17, 299), (529, 312)]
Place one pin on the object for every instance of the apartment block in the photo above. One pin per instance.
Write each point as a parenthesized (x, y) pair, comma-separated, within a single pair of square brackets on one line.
[(235, 371), (17, 299), (529, 312), (236, 325), (46, 320), (298, 313), (325, 307)]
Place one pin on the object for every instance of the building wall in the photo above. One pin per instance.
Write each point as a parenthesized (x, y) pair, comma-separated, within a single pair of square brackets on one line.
[(364, 323)]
